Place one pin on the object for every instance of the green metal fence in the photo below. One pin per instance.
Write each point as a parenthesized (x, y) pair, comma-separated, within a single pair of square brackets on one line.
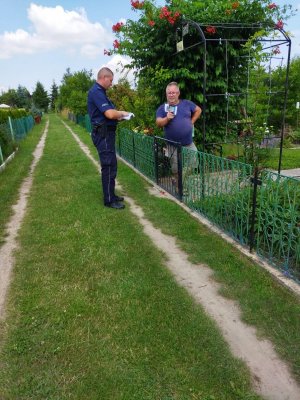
[(259, 210), (138, 150), (6, 141), (220, 189), (277, 229), (21, 126), (262, 213), (83, 120), (11, 132)]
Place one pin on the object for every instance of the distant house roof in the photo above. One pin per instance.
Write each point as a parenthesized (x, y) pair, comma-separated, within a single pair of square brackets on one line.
[(4, 106)]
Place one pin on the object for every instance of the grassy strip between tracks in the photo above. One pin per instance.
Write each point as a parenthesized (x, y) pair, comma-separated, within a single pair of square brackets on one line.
[(92, 312), (14, 173), (273, 309)]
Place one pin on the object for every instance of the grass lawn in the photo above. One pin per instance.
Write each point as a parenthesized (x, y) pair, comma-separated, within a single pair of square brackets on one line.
[(290, 159), (265, 303), (14, 173), (290, 156), (94, 314)]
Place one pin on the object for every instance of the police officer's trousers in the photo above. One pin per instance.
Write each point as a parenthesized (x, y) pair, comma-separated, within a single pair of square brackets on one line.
[(105, 145)]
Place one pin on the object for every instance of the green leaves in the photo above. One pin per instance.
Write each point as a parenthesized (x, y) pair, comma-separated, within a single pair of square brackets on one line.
[(227, 54)]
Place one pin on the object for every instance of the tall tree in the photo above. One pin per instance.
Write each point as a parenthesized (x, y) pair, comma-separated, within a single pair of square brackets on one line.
[(24, 98), (278, 76), (73, 91), (10, 98), (40, 97), (53, 95)]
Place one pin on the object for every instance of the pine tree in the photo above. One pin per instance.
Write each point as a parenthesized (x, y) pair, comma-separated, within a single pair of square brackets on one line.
[(53, 95), (40, 97)]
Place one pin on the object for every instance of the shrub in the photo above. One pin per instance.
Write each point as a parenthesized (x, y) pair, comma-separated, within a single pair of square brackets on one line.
[(6, 142)]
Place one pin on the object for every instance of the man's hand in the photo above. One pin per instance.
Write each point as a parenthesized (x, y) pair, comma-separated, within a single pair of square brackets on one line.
[(123, 114), (170, 115)]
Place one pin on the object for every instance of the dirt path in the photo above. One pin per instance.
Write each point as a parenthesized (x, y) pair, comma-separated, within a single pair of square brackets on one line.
[(271, 377), (10, 245)]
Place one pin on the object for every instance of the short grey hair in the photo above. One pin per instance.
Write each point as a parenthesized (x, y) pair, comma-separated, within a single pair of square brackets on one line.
[(173, 84), (104, 72)]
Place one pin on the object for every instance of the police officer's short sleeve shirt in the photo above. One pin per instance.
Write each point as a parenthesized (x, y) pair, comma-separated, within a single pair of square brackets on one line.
[(98, 103)]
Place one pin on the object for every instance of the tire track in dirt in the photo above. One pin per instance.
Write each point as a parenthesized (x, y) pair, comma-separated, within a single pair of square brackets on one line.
[(13, 226), (271, 377)]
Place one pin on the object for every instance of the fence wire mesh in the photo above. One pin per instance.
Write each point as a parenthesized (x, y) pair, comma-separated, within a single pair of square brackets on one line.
[(222, 190), (21, 126), (278, 222)]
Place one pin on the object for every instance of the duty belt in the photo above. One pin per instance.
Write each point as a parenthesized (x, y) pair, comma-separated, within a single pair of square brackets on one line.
[(103, 129)]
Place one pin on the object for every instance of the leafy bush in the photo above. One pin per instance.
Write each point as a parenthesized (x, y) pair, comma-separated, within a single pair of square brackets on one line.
[(13, 113), (150, 42), (6, 142), (295, 136)]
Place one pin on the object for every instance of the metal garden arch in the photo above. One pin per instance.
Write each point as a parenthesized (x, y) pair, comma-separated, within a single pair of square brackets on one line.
[(218, 33)]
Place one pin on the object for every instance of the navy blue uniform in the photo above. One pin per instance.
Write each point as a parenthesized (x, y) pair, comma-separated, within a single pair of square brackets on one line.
[(104, 136)]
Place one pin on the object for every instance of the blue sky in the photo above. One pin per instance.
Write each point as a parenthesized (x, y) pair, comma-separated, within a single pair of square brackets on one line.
[(40, 39)]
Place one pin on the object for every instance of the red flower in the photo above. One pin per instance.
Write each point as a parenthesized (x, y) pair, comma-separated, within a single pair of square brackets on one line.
[(272, 5), (210, 30), (279, 24), (116, 44), (151, 23), (107, 52), (117, 27), (137, 4), (166, 14), (235, 5), (276, 50)]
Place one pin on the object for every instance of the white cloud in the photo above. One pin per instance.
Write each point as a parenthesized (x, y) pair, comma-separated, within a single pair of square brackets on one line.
[(54, 27), (91, 51), (295, 38), (117, 65)]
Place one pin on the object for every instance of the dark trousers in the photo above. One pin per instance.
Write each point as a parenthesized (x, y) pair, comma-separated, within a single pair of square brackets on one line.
[(105, 145)]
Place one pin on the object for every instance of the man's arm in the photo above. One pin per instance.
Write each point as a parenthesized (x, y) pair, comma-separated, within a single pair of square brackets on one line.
[(196, 114), (161, 122), (115, 114)]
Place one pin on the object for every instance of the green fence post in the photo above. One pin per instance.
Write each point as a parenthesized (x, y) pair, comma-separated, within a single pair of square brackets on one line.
[(256, 181), (155, 150), (179, 167), (1, 156), (133, 150), (11, 129)]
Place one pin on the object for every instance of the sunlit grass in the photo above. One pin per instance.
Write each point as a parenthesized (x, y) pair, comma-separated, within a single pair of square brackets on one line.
[(273, 309), (93, 313), (290, 156), (14, 173)]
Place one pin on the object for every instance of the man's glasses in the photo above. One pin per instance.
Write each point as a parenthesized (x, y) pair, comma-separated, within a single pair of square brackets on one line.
[(172, 93)]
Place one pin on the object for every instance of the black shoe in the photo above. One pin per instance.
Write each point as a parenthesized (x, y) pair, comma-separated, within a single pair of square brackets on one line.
[(116, 205), (119, 198)]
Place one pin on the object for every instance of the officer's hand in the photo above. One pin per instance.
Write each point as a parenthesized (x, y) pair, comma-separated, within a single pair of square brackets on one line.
[(123, 114)]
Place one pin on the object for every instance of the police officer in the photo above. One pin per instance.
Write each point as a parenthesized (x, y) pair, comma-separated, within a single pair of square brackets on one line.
[(104, 118)]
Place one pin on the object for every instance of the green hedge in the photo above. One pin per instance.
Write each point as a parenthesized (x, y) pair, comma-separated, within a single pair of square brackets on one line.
[(6, 143), (14, 113)]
